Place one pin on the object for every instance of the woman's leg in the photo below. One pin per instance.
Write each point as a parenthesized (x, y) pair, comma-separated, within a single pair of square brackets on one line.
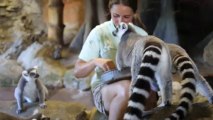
[(115, 98)]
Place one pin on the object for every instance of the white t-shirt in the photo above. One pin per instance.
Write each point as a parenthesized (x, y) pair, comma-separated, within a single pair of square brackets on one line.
[(101, 43)]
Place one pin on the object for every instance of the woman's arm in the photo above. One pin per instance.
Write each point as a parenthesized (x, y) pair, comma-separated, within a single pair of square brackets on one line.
[(83, 68)]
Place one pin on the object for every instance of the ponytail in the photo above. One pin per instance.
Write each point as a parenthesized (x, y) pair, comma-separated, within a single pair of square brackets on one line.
[(137, 21)]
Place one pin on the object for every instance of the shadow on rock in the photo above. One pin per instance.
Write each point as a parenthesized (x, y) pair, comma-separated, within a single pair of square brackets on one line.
[(200, 111)]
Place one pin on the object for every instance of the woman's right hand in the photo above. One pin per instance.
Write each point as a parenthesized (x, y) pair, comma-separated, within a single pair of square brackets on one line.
[(83, 68), (104, 64)]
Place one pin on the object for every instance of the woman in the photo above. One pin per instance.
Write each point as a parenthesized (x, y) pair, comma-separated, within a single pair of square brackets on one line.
[(98, 53)]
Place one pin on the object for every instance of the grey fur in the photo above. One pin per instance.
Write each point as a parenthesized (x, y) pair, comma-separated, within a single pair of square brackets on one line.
[(130, 54), (30, 88), (202, 85)]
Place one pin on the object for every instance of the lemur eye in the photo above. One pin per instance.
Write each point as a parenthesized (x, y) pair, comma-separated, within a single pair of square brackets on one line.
[(114, 33), (123, 26), (32, 74)]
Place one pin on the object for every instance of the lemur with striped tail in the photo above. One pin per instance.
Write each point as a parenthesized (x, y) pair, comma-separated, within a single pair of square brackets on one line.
[(192, 80), (151, 66), (130, 53)]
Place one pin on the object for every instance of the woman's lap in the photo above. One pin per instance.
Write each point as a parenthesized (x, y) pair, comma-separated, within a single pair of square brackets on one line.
[(97, 98), (110, 90)]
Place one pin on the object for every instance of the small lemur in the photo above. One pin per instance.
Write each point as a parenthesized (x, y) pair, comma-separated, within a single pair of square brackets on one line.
[(30, 89), (191, 78), (151, 66)]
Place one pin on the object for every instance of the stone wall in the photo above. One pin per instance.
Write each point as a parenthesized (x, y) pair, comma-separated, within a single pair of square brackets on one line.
[(23, 36)]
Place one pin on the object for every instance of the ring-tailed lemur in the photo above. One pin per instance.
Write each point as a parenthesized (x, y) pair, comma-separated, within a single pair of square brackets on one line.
[(31, 89), (181, 61), (150, 69), (191, 80)]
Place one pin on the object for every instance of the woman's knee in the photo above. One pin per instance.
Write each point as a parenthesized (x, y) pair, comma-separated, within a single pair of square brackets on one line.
[(119, 89), (123, 89)]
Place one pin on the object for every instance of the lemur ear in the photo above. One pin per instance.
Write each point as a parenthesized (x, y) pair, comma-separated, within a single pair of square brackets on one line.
[(24, 73), (35, 67), (131, 26)]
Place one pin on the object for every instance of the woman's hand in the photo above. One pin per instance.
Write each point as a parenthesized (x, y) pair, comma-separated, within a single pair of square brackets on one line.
[(83, 68), (104, 64)]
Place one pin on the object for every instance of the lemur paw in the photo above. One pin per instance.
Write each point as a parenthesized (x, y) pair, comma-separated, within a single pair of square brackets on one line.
[(161, 105), (18, 111), (165, 104), (45, 118), (168, 104), (42, 105)]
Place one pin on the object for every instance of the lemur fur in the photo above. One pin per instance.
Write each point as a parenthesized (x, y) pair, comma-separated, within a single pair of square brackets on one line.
[(191, 78), (151, 66), (30, 89)]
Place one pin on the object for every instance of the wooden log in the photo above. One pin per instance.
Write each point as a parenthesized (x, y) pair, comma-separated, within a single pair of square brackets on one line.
[(56, 26), (55, 21), (95, 13)]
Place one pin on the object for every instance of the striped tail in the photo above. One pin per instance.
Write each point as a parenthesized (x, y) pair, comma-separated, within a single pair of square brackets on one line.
[(185, 67), (142, 87)]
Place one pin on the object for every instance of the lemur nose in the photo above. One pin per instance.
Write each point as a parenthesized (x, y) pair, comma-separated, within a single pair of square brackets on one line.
[(123, 26)]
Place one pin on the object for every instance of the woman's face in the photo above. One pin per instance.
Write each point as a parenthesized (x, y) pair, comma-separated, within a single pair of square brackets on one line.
[(121, 13)]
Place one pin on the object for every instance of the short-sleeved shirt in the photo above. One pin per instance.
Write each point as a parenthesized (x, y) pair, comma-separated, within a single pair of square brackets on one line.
[(101, 43)]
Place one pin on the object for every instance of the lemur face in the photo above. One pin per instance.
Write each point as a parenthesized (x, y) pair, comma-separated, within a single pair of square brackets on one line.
[(31, 74), (120, 29)]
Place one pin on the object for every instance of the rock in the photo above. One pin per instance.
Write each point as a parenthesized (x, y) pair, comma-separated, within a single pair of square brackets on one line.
[(70, 81), (82, 116), (58, 110), (74, 95), (14, 50), (92, 114), (208, 53), (62, 104), (200, 111), (27, 57), (10, 72), (4, 116), (50, 71), (9, 108)]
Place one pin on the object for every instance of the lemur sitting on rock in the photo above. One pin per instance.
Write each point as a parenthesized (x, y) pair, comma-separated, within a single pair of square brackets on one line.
[(30, 89)]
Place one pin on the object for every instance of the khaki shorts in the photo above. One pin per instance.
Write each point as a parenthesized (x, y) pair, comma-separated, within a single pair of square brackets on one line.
[(97, 98)]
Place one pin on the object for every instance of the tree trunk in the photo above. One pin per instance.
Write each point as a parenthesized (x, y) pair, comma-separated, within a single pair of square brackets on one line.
[(95, 13), (166, 26), (55, 25)]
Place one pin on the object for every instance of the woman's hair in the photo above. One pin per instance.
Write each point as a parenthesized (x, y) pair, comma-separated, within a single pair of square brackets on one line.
[(133, 5), (130, 3)]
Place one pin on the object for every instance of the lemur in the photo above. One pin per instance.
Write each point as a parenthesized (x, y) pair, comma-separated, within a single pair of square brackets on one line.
[(191, 80), (128, 56), (151, 66), (30, 89)]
